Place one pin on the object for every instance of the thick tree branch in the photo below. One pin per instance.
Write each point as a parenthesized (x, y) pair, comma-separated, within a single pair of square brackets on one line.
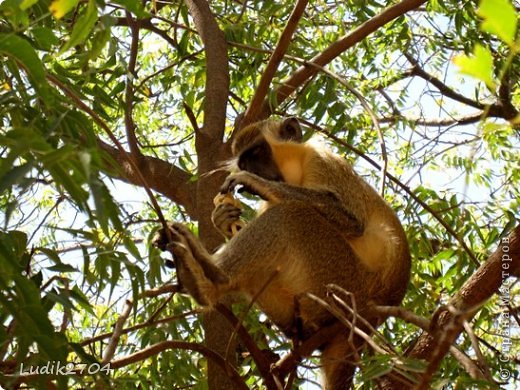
[(485, 282), (276, 57), (217, 69), (304, 73), (163, 177), (210, 151)]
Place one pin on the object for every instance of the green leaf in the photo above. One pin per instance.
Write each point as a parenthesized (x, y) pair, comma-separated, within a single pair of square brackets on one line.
[(21, 50), (81, 299), (62, 268), (27, 4), (479, 65), (14, 176), (61, 7), (45, 37), (100, 40), (83, 26), (51, 254), (499, 18), (136, 7)]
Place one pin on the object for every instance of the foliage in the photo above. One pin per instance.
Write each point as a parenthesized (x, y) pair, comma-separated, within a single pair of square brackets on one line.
[(74, 245)]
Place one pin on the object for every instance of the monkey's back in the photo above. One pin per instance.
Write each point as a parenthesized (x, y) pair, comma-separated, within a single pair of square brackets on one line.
[(297, 251)]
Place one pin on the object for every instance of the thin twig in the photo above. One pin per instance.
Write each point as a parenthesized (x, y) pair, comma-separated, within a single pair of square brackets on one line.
[(131, 161), (191, 117), (341, 317), (174, 344), (169, 288), (146, 324), (484, 367), (262, 363), (161, 307), (444, 341), (129, 93), (372, 115), (269, 280)]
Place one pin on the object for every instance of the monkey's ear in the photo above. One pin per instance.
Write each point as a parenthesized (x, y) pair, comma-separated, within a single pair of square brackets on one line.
[(290, 130)]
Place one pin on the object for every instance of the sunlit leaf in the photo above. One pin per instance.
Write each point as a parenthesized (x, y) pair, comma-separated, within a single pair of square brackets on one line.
[(61, 7), (27, 4), (500, 18), (83, 26), (479, 65)]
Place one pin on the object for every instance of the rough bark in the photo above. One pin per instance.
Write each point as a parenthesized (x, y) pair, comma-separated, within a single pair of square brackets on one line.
[(163, 177), (210, 151), (485, 282)]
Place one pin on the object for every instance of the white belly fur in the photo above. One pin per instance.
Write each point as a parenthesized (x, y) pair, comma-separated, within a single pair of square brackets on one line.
[(376, 248)]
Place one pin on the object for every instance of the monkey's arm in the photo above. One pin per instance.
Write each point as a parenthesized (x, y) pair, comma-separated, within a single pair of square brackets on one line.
[(326, 202)]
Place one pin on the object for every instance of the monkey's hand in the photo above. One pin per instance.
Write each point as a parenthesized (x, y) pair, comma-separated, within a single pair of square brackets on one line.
[(250, 182), (226, 215)]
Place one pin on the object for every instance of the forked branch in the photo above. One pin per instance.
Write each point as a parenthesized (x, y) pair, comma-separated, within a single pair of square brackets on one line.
[(304, 73)]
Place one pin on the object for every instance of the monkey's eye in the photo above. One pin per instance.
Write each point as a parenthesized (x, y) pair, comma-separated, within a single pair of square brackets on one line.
[(256, 155)]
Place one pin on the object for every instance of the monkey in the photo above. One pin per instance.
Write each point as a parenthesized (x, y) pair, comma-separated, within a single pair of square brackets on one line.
[(322, 224)]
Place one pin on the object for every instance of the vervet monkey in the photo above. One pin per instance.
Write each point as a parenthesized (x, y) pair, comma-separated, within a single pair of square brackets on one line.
[(323, 225)]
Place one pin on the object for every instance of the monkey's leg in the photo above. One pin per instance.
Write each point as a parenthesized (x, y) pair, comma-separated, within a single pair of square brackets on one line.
[(337, 360), (196, 270), (325, 202)]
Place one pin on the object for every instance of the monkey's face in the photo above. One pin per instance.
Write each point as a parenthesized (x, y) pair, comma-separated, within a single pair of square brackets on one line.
[(253, 146), (258, 159)]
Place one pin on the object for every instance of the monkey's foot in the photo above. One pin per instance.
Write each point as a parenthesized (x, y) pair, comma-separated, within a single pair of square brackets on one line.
[(195, 268), (226, 218)]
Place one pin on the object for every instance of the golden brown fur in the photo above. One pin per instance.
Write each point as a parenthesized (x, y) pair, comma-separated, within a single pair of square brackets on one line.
[(323, 225)]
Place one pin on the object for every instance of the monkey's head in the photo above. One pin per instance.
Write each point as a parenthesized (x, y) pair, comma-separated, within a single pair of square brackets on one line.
[(253, 147)]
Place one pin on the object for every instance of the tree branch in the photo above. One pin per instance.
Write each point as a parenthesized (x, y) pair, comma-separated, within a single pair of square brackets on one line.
[(486, 281), (464, 120), (217, 69), (163, 177), (443, 88), (116, 334), (174, 344), (501, 109), (126, 161), (304, 73), (129, 93), (262, 362), (275, 59)]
